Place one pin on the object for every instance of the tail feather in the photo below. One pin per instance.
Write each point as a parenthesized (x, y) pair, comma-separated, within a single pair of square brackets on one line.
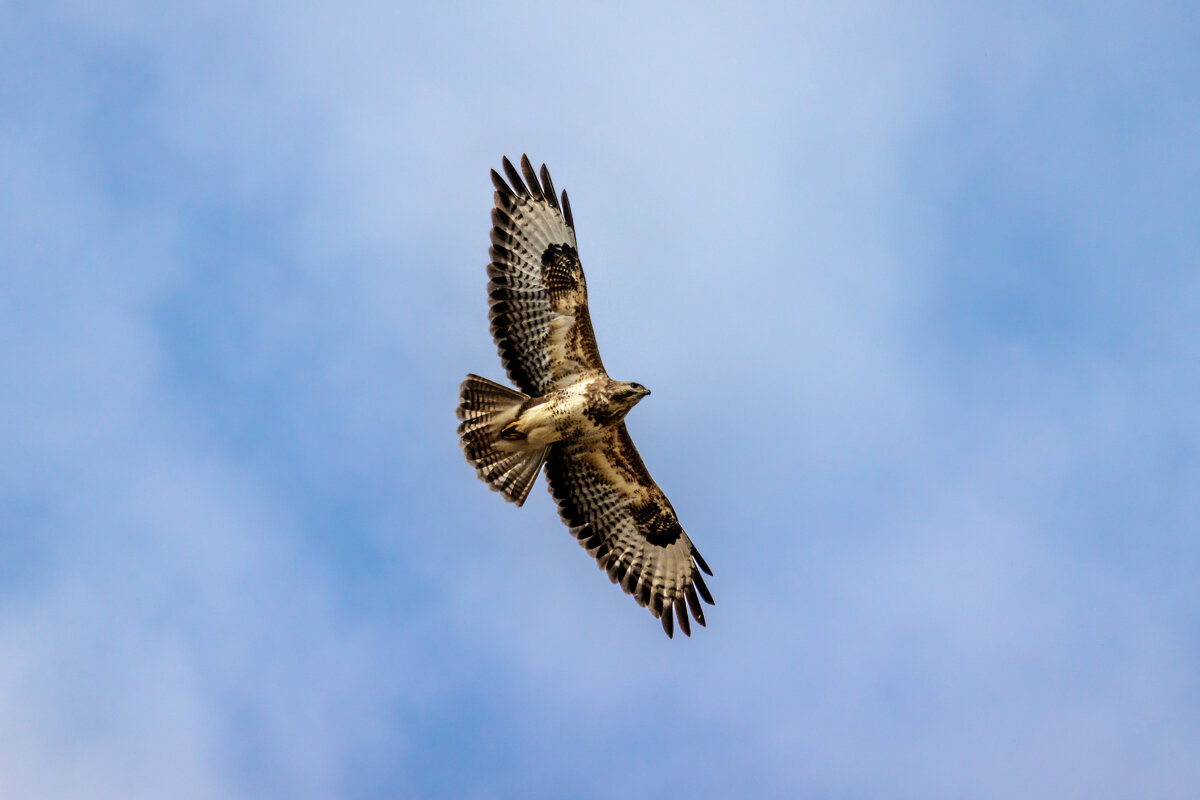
[(484, 408)]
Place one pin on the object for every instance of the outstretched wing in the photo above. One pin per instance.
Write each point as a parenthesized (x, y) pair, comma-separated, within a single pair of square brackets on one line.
[(620, 516), (536, 290)]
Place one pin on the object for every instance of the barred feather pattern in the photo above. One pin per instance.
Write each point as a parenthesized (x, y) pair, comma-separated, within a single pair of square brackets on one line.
[(537, 293), (614, 508), (484, 407)]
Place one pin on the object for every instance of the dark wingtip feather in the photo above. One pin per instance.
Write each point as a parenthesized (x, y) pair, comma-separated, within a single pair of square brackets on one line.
[(681, 614), (500, 216), (668, 622), (566, 209), (694, 604), (700, 560), (700, 587), (531, 179), (548, 187), (514, 177), (501, 187)]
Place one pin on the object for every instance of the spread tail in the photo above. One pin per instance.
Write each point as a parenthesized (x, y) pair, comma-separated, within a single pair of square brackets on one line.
[(485, 408)]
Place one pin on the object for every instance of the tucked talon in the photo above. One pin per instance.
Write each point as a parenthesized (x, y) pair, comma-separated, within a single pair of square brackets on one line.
[(510, 432)]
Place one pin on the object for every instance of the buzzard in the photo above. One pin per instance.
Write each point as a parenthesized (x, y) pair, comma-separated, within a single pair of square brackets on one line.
[(568, 414)]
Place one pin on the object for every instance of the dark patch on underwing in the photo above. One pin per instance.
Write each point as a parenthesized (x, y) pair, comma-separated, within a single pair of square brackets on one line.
[(562, 273), (658, 524)]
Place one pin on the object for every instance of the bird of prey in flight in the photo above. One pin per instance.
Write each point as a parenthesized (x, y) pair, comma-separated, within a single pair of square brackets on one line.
[(567, 413)]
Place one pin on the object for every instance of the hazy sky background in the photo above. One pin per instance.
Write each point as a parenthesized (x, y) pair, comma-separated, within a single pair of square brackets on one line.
[(915, 287)]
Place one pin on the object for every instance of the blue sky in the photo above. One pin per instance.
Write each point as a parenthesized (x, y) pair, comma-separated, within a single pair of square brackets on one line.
[(915, 287)]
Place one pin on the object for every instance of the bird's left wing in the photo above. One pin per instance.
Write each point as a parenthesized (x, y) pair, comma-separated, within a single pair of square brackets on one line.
[(536, 288), (620, 516)]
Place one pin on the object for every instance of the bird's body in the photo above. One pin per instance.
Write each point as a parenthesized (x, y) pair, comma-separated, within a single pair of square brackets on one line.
[(569, 414), (578, 413)]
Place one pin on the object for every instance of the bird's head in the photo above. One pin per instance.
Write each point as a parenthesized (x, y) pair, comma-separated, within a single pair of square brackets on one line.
[(629, 393)]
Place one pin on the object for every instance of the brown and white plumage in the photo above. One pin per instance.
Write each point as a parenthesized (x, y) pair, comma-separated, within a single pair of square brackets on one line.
[(620, 516), (536, 288), (569, 413)]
